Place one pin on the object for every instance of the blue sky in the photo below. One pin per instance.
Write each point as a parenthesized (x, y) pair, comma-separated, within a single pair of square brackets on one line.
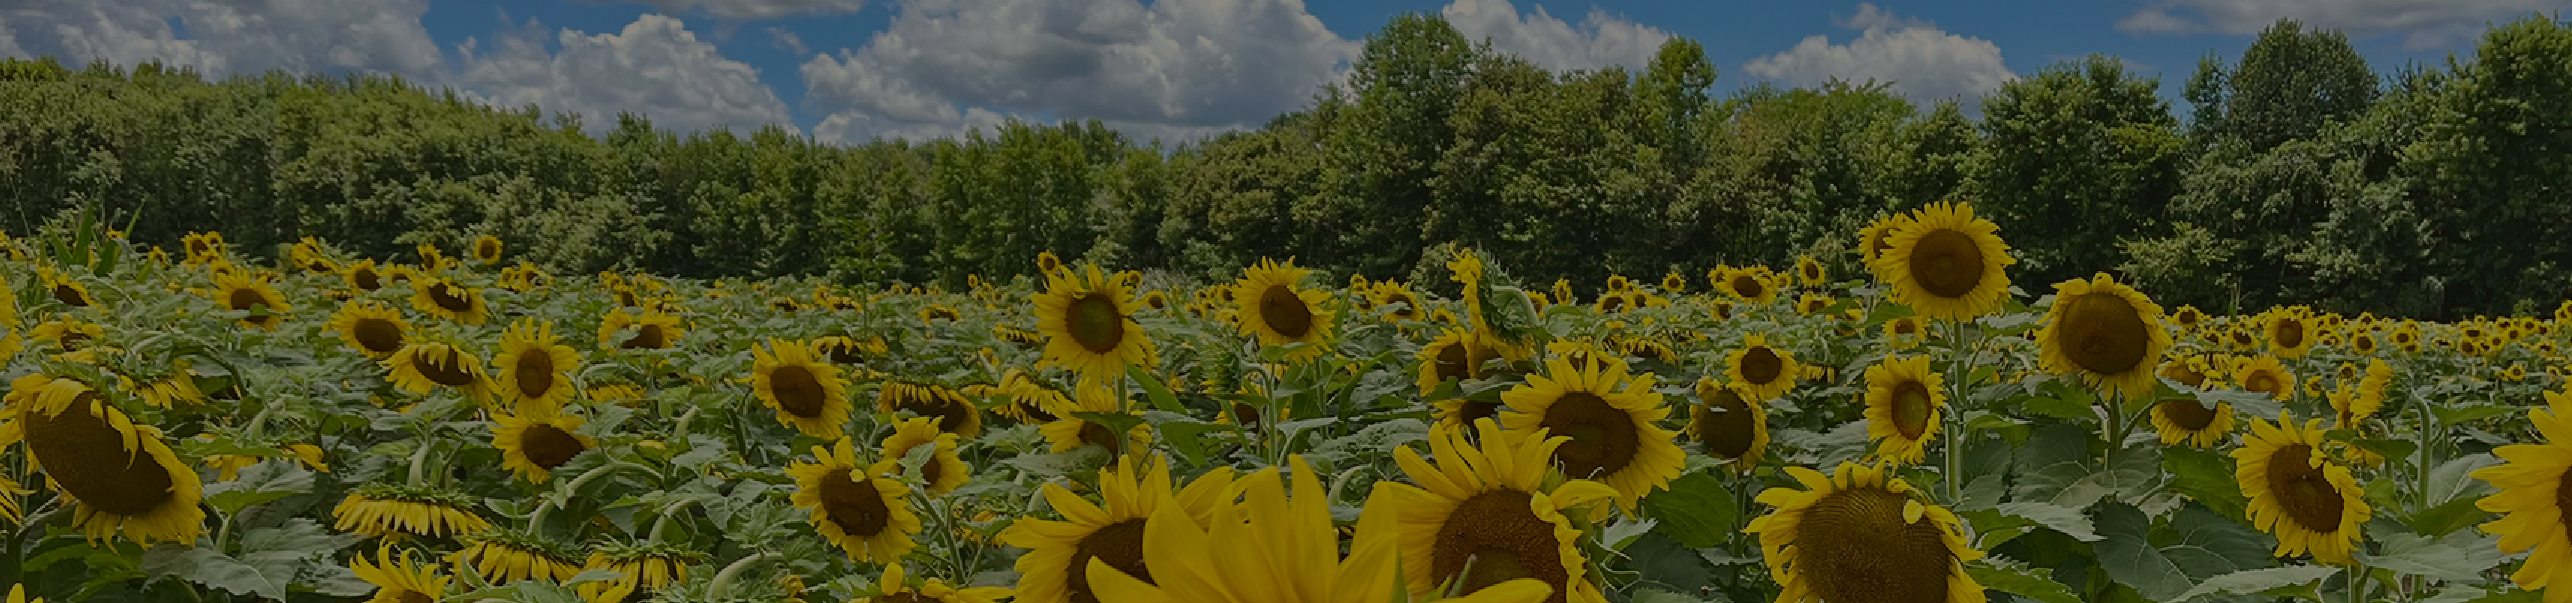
[(850, 70)]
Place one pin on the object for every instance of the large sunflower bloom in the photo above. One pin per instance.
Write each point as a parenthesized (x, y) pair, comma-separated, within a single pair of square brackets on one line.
[(1947, 264), (807, 394), (2186, 418), (535, 443), (240, 292), (955, 413), (1089, 324), (1612, 423), (536, 367), (123, 476), (1862, 535), (1275, 307), (1059, 553), (945, 471), (1732, 426), (449, 300), (1750, 285), (2107, 333), (422, 366), (399, 580), (854, 507), (1903, 398), (65, 289), (2289, 332), (371, 327), (1487, 509), (1067, 433), (2264, 374), (2297, 493), (1761, 371), (2535, 501)]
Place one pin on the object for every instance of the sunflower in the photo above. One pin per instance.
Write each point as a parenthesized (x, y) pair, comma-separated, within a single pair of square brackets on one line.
[(1863, 535), (502, 556), (855, 507), (371, 327), (955, 414), (486, 249), (2297, 493), (1902, 401), (536, 369), (1947, 264), (1456, 354), (1904, 333), (1674, 282), (1813, 303), (533, 444), (652, 330), (1611, 420), (1029, 400), (2265, 375), (1733, 427), (8, 304), (807, 394), (1089, 326), (242, 293), (449, 300), (377, 509), (2105, 332), (894, 587), (1761, 371), (362, 275), (1810, 271), (1067, 433), (1398, 303), (2289, 332), (1876, 239), (2352, 403), (1750, 285), (945, 471), (64, 289), (645, 567), (2187, 317), (1059, 553), (123, 476), (421, 366), (2185, 418), (1276, 308), (2534, 499), (2377, 383), (202, 246), (1487, 509), (1612, 302), (2365, 344), (398, 580)]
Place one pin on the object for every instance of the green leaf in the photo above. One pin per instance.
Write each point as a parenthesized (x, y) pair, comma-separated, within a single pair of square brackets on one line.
[(1115, 422), (2063, 519), (2462, 556), (2251, 582), (2126, 553), (1154, 391), (2206, 477), (259, 484), (2011, 577), (217, 570), (1697, 511), (2442, 519), (1188, 438)]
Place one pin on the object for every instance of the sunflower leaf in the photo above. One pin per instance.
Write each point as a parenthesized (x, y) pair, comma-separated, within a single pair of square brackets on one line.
[(2126, 553), (2059, 518), (2462, 556), (1697, 511), (2260, 580), (216, 570), (2206, 477), (2005, 575)]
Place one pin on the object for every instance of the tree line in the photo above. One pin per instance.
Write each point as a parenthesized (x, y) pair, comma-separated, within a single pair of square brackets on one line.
[(2300, 176)]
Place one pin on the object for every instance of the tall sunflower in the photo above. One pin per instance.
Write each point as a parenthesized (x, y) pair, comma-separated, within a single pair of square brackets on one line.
[(371, 327), (2297, 493), (1863, 535), (449, 300), (1732, 426), (122, 475), (2535, 500), (1089, 326), (362, 275), (2289, 332), (240, 292), (64, 289), (1810, 271), (807, 394), (423, 365), (945, 471), (955, 413), (534, 443), (2186, 418), (486, 249), (536, 368), (2264, 374), (1276, 308), (1488, 509), (1903, 398), (1761, 371), (1612, 422), (1060, 553), (1456, 354), (1750, 285), (652, 330), (1947, 264), (503, 555), (855, 507), (2106, 333), (397, 579), (377, 509)]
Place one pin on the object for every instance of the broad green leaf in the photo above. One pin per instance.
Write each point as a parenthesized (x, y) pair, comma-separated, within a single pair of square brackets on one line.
[(2063, 519), (2206, 477), (2462, 556), (2250, 582), (260, 483), (2011, 577), (2126, 553), (217, 570), (1154, 391), (1696, 511)]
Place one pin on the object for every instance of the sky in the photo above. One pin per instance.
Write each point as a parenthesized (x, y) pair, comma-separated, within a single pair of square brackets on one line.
[(848, 71)]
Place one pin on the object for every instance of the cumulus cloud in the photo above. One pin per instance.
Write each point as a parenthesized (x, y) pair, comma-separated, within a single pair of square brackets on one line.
[(1914, 57), (788, 41), (946, 65), (655, 67), (1599, 41), (2423, 23), (226, 36), (755, 9)]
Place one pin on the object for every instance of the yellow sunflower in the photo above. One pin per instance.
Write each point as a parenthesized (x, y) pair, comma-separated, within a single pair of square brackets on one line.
[(64, 289), (501, 556), (2289, 332), (2106, 333), (122, 475), (855, 507), (371, 327), (2533, 502), (8, 304), (1276, 308), (1732, 426), (894, 587), (2349, 405), (1456, 354), (1488, 509), (1029, 400), (1750, 285), (1612, 422), (1089, 326), (842, 349), (955, 413), (536, 369), (449, 300), (2373, 387), (202, 246), (363, 276), (1059, 553), (377, 509), (1067, 433), (240, 292), (2186, 418), (486, 249), (1904, 333), (533, 444), (399, 580), (945, 471), (1761, 371), (1903, 398), (807, 394), (1863, 535), (1876, 239), (421, 366), (2265, 375), (652, 330), (1397, 302), (1674, 282), (1810, 271), (2297, 493), (1947, 264)]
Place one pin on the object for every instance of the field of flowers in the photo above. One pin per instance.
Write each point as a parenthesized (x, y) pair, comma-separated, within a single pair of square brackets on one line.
[(194, 425)]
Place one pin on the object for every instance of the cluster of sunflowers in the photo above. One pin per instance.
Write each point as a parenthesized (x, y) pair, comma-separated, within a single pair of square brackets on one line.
[(1923, 432)]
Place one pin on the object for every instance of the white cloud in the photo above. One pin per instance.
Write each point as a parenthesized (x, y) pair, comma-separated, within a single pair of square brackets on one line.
[(2423, 23), (947, 65), (788, 41), (1916, 58), (756, 9), (227, 36), (1600, 40), (655, 67)]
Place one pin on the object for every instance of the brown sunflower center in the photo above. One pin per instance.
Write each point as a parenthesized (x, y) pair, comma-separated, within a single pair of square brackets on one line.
[(2266, 382), (2303, 490), (2187, 413), (413, 596), (1911, 408), (1603, 438), (1493, 538), (648, 336), (1094, 433), (1856, 548), (843, 353), (1761, 365), (1725, 425), (854, 505), (244, 298), (2290, 333), (798, 391), (450, 297), (1410, 308), (1453, 362), (548, 446), (1285, 312), (1094, 323), (377, 335), (69, 295), (1947, 263), (365, 278), (442, 366), (1120, 545), (2563, 496), (534, 373), (1248, 415), (2104, 333), (1748, 287), (1470, 411), (1611, 304), (1905, 327), (88, 457), (486, 249), (953, 414)]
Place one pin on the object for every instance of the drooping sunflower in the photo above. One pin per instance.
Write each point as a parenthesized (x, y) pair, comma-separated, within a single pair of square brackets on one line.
[(2289, 332), (1488, 509), (1276, 308), (2297, 493), (240, 292), (1059, 553), (423, 365), (945, 471), (647, 566), (2264, 374), (652, 330), (371, 327), (377, 509), (1612, 422), (486, 249), (1903, 398), (1947, 264), (1750, 285), (1089, 326), (855, 507), (123, 476), (2106, 333), (842, 349), (536, 369), (2533, 500), (807, 394), (2186, 418), (955, 413), (1732, 427), (1761, 371), (1029, 400), (1863, 534), (533, 444), (503, 555), (397, 579), (64, 289), (449, 300), (1612, 302)]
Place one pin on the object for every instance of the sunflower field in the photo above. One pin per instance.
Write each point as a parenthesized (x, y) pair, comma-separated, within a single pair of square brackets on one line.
[(193, 425)]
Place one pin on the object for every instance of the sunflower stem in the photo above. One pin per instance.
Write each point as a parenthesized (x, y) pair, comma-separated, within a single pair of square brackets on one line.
[(721, 586), (661, 524), (1950, 459), (419, 459)]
